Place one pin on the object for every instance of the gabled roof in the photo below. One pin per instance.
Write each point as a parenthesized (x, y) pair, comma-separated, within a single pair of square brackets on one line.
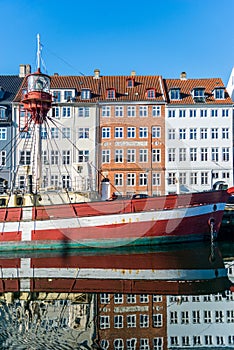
[(98, 87), (188, 85), (11, 85)]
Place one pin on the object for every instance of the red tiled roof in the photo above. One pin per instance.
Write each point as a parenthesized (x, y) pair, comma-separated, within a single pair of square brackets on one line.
[(162, 87), (99, 87), (186, 86)]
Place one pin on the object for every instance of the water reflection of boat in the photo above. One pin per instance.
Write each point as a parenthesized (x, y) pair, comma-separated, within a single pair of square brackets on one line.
[(177, 269)]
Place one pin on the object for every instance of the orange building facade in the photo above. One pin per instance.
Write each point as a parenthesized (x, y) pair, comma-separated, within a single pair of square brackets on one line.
[(132, 321), (132, 134)]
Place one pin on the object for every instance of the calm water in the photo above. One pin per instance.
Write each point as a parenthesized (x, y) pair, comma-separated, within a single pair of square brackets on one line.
[(173, 297)]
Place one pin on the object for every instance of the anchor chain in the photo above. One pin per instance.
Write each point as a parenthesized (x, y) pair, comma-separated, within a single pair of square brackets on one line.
[(212, 238)]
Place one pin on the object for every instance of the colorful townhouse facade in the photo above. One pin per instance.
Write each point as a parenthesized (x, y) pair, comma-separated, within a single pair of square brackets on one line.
[(132, 127), (145, 134), (131, 321), (199, 141)]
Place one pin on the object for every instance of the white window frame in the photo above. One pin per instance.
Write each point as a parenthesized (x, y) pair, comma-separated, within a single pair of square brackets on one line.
[(104, 298), (118, 179), (119, 155), (104, 321), (118, 321), (131, 111), (131, 155), (105, 156), (143, 132), (131, 132), (143, 111), (106, 111), (106, 132), (131, 321), (131, 179), (119, 132), (156, 132), (156, 155), (118, 298), (156, 111), (143, 155), (157, 320), (119, 111)]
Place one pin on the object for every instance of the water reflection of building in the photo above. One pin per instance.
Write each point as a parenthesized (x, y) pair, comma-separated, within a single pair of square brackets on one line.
[(130, 321), (157, 322), (196, 321), (62, 320)]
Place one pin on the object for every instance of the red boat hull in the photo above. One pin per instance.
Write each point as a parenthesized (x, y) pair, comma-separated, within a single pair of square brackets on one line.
[(109, 224)]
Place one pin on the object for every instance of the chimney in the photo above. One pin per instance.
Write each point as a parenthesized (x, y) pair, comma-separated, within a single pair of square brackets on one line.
[(183, 76), (133, 73), (56, 74), (24, 69), (96, 73)]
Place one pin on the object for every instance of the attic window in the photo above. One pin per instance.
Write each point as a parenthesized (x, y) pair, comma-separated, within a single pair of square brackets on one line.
[(130, 83), (150, 93), (85, 94), (2, 113), (175, 94), (110, 93), (219, 93), (199, 94)]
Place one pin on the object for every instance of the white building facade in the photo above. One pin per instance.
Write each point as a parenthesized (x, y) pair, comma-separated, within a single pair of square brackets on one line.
[(198, 127), (68, 137)]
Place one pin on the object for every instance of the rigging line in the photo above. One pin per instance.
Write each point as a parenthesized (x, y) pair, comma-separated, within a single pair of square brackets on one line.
[(13, 145), (64, 61), (72, 144), (60, 173), (57, 147), (91, 164), (13, 183), (18, 140)]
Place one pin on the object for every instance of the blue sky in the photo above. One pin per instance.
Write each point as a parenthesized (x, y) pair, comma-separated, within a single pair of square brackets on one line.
[(158, 37)]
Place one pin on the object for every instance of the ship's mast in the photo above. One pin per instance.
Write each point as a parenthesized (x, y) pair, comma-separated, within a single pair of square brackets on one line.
[(37, 101), (38, 143), (38, 52)]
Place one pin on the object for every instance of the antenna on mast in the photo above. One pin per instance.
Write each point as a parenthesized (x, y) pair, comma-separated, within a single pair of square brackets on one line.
[(38, 53)]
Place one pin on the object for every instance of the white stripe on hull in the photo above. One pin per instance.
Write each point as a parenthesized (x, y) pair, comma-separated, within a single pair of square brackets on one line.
[(104, 220), (118, 274)]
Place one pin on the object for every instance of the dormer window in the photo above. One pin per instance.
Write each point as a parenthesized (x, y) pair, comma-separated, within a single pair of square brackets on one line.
[(150, 93), (175, 94), (130, 83), (219, 93), (85, 94), (199, 94), (110, 93), (2, 113)]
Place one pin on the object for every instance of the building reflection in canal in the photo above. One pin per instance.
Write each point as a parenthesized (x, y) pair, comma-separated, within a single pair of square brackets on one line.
[(168, 298)]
